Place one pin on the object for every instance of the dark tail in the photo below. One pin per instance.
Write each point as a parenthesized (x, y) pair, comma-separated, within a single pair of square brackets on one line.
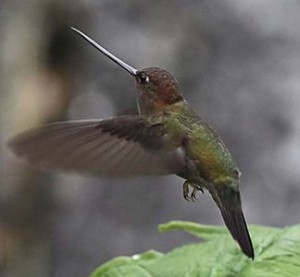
[(235, 222), (231, 210)]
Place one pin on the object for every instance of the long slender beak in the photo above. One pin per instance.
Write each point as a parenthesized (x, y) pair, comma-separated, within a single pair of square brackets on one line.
[(127, 67)]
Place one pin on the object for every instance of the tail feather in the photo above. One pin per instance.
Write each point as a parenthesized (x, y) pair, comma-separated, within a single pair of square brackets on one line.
[(236, 223), (231, 209)]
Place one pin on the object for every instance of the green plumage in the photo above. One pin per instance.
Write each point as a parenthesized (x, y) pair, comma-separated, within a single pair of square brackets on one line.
[(167, 137)]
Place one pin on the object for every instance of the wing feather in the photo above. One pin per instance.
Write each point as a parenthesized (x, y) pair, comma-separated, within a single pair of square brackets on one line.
[(122, 146)]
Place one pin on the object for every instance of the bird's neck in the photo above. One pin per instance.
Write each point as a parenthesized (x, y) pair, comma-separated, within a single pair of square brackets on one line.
[(153, 107)]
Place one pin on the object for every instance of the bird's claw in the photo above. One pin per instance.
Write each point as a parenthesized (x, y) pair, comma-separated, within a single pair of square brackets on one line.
[(186, 191), (192, 196)]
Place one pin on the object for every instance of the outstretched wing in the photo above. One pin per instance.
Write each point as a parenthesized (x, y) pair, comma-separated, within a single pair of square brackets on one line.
[(230, 205), (120, 146)]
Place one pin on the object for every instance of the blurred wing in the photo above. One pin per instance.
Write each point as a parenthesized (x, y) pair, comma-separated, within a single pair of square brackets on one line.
[(120, 146)]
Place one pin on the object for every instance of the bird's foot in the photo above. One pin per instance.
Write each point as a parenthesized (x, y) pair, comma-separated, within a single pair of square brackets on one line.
[(186, 190)]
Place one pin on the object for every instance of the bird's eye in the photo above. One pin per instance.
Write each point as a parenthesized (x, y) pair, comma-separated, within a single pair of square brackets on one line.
[(143, 77)]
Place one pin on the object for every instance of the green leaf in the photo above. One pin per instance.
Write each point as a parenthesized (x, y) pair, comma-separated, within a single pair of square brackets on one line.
[(128, 266), (198, 230), (277, 254)]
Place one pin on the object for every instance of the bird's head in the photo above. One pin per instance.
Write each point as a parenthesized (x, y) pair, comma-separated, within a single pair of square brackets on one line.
[(156, 88)]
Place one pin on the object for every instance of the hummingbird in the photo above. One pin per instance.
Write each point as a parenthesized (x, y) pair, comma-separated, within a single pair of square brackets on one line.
[(165, 137)]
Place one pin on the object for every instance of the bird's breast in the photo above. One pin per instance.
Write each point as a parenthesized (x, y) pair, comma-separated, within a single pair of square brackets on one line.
[(210, 154)]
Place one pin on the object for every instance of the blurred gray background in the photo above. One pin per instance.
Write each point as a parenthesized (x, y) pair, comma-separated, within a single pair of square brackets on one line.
[(238, 64)]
